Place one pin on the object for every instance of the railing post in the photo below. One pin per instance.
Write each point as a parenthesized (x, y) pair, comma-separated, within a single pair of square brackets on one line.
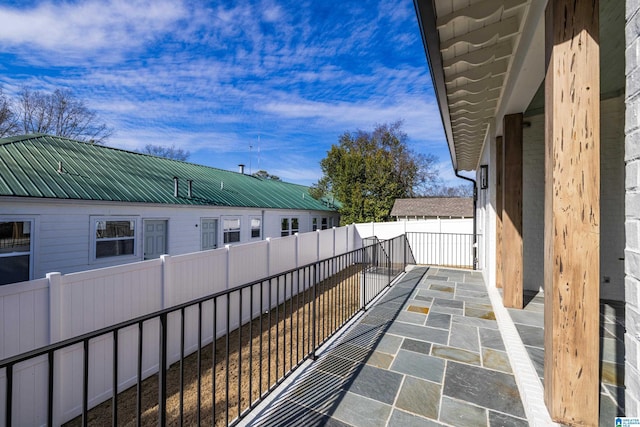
[(474, 252), (389, 261), (404, 252), (162, 372), (167, 297), (313, 311), (9, 397), (55, 307), (364, 279), (56, 334)]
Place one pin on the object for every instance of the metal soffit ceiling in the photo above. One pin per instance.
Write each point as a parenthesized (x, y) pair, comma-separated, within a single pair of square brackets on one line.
[(476, 41)]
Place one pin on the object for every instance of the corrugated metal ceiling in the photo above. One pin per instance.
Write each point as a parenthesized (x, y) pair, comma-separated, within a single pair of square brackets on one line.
[(477, 41)]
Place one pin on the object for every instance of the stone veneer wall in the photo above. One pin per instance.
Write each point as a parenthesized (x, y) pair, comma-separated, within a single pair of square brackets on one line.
[(632, 209)]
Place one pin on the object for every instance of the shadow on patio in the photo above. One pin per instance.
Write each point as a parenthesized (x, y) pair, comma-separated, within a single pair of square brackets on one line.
[(529, 323), (429, 352)]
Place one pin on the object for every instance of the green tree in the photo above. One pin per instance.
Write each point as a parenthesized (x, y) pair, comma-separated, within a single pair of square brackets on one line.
[(367, 171), (266, 175)]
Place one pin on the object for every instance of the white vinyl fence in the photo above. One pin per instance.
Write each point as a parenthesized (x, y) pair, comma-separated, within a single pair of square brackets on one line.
[(388, 230), (44, 311), (445, 242), (40, 312)]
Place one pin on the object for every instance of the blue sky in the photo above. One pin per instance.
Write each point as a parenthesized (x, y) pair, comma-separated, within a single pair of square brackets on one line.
[(271, 84)]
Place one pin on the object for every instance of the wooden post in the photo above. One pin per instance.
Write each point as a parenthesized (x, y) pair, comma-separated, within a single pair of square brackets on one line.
[(499, 173), (572, 212), (512, 212)]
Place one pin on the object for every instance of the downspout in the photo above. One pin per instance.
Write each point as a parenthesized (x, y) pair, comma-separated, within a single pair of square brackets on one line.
[(475, 205)]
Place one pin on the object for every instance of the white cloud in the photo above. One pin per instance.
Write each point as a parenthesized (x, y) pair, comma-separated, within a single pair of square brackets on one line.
[(93, 27), (209, 76)]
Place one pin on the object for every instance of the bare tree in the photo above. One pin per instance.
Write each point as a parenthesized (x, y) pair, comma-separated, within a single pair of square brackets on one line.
[(8, 119), (59, 113), (166, 151), (441, 190)]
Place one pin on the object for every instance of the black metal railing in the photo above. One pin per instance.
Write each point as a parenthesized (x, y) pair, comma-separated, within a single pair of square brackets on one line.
[(260, 333)]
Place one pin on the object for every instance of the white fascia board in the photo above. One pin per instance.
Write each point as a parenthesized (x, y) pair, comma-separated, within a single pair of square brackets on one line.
[(527, 69)]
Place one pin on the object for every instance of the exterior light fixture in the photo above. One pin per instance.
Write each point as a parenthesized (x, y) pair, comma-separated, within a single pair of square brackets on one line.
[(484, 177)]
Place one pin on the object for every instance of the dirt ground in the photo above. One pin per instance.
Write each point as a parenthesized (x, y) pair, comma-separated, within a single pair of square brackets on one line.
[(278, 341)]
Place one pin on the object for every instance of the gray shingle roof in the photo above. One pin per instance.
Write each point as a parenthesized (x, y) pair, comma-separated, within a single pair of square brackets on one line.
[(433, 207)]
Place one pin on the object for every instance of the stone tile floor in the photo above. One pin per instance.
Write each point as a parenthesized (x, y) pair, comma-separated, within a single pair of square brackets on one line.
[(530, 325), (429, 353)]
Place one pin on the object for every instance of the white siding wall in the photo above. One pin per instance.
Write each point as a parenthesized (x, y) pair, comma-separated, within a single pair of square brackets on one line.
[(611, 201), (485, 212), (612, 204), (533, 203), (62, 235), (632, 212)]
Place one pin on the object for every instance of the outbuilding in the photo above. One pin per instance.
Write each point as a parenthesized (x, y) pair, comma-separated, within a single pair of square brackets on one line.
[(69, 206), (432, 208)]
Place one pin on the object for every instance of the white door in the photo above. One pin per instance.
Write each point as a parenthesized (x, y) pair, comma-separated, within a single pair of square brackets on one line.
[(209, 233), (155, 238)]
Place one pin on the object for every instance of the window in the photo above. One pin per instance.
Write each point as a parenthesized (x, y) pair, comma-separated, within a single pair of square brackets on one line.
[(331, 222), (15, 251), (231, 230), (255, 228), (314, 224), (289, 226), (114, 237), (324, 223)]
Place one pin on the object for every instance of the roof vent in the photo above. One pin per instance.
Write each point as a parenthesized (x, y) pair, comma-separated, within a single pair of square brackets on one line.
[(175, 186), (241, 168), (190, 188), (60, 170)]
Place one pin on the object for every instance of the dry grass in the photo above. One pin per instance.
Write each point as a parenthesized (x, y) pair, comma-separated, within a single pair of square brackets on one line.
[(277, 341)]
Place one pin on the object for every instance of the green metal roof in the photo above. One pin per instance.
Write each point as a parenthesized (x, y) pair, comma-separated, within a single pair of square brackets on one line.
[(29, 167)]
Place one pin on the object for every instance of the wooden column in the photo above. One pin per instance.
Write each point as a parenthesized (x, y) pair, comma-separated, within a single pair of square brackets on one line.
[(512, 212), (499, 173), (572, 212)]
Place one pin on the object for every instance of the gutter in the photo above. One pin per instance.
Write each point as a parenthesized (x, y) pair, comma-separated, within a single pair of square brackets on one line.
[(475, 204), (426, 14)]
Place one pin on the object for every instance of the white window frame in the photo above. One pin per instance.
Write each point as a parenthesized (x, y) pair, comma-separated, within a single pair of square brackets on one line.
[(314, 223), (231, 230), (32, 241), (324, 223), (290, 231), (93, 224), (258, 228)]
